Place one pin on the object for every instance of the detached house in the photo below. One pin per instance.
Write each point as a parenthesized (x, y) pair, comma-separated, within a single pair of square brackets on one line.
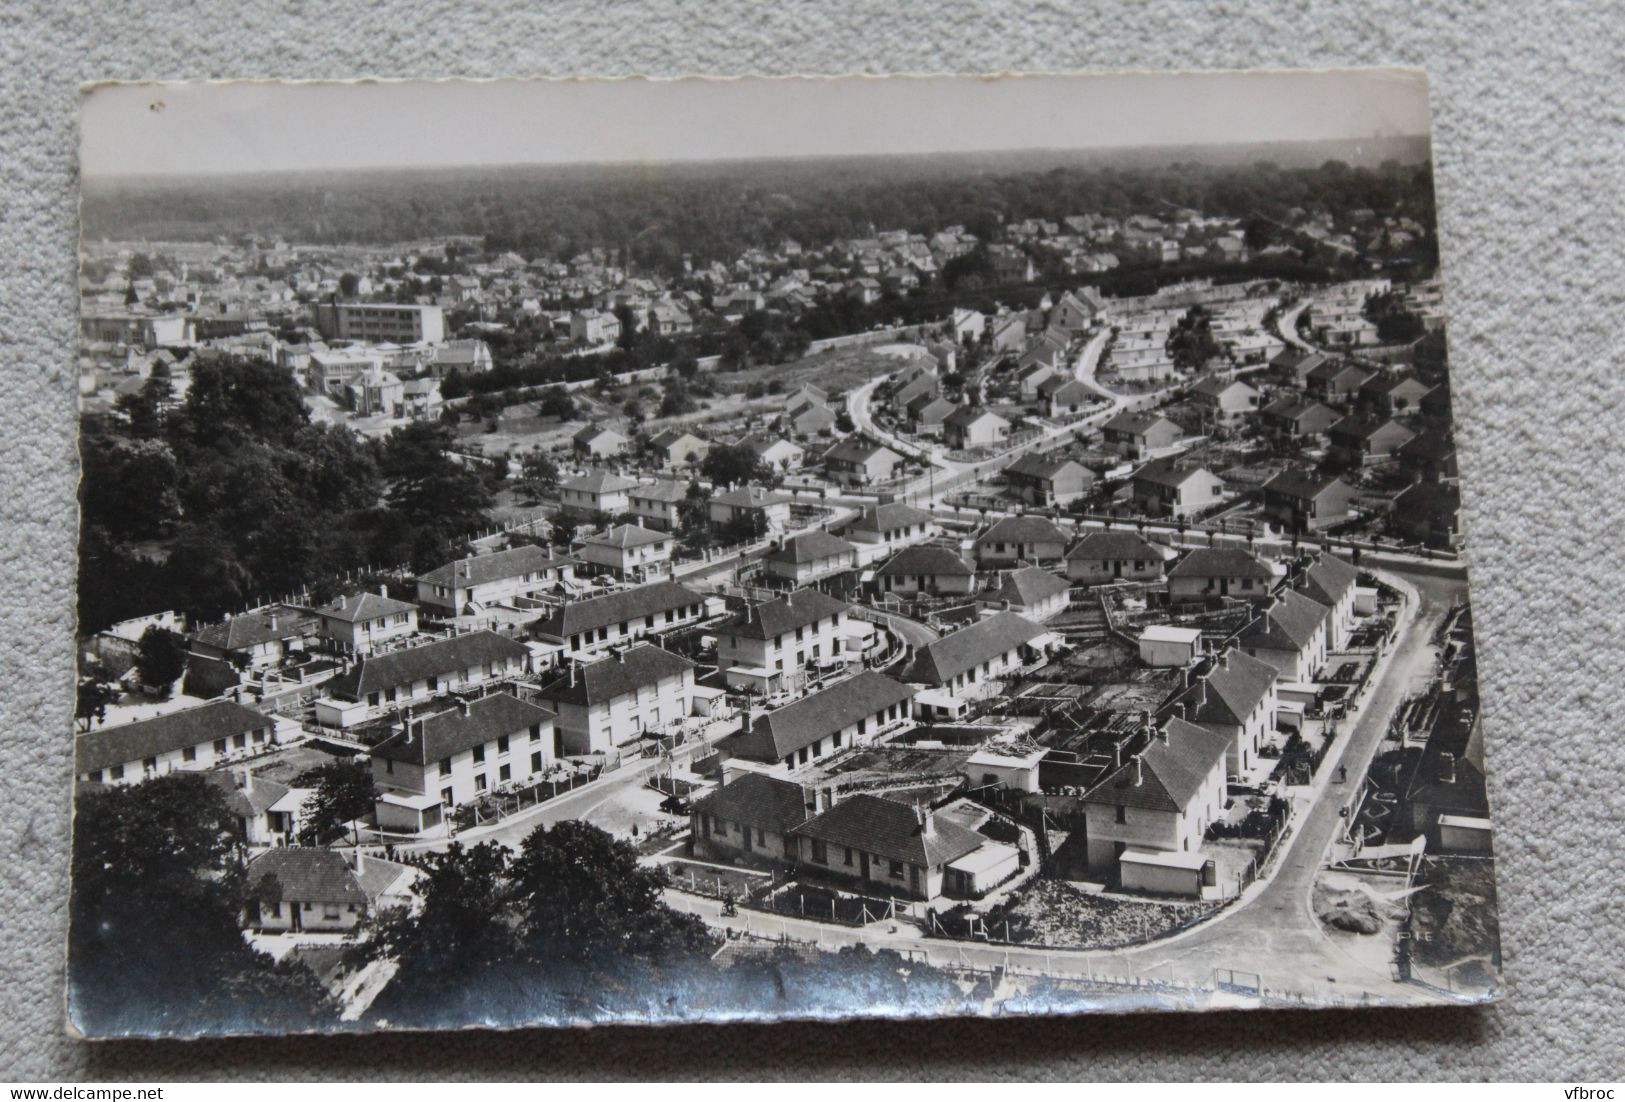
[(1157, 806), (1069, 399), (1360, 442), (367, 621), (1139, 435), (749, 818), (974, 427), (1039, 479), (935, 570), (189, 739), (296, 889), (1301, 501), (1224, 401), (482, 581), (849, 713), (1207, 572), (629, 552), (800, 630), (598, 492), (1293, 419), (442, 759), (1428, 513), (891, 525), (401, 676), (859, 462), (961, 666), (1031, 591), (620, 698), (585, 627), (763, 510), (1335, 381), (874, 844), (808, 557), (1389, 395), (1034, 541), (928, 414), (657, 504), (677, 450), (257, 640), (776, 453), (595, 442), (1112, 556), (1168, 488)]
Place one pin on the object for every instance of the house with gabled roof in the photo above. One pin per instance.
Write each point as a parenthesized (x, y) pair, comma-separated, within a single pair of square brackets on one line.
[(1428, 513), (925, 569), (1171, 487), (1037, 369), (927, 413), (445, 665), (1029, 540), (657, 504), (778, 638), (596, 492), (364, 622), (1207, 572), (1139, 435), (186, 739), (808, 557), (1335, 380), (811, 419), (1295, 419), (1330, 581), (764, 511), (1159, 802), (267, 812), (749, 818), (893, 524), (618, 699), (1392, 394), (856, 461), (597, 442), (589, 626), (1362, 441), (775, 452), (1224, 401), (879, 845), (299, 889), (259, 639), (628, 552), (974, 427), (678, 450), (1030, 591), (1115, 555), (1290, 633), (1040, 479), (478, 582), (1069, 399), (1304, 501), (454, 752), (1234, 695), (1429, 457), (962, 665), (849, 713)]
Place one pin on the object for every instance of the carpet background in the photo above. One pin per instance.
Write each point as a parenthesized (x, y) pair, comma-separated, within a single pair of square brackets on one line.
[(1528, 146)]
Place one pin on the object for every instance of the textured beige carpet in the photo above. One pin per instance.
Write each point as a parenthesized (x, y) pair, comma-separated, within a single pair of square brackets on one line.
[(1529, 150)]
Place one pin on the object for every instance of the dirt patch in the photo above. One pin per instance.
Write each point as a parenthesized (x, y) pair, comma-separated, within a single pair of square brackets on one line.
[(1053, 912), (1453, 916), (1354, 911)]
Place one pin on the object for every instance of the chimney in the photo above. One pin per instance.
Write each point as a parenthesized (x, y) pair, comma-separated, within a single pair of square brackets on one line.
[(245, 780), (383, 589), (273, 621), (342, 600), (1447, 768), (462, 567), (1139, 772), (572, 673), (462, 707), (620, 655)]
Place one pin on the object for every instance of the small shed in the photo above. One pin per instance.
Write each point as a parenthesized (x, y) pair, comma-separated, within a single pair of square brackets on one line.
[(1163, 645), (1165, 872)]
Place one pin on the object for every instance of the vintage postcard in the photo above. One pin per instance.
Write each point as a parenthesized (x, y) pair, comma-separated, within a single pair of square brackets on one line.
[(710, 550)]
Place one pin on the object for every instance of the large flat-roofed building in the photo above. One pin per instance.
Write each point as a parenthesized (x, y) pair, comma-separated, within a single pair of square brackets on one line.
[(379, 322)]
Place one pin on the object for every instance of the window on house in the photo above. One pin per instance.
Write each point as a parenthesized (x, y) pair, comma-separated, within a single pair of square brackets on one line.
[(504, 774), (896, 870), (536, 762), (219, 746), (848, 859), (820, 853), (479, 755), (649, 620), (389, 765), (502, 744), (445, 767), (479, 782), (1122, 813), (761, 837), (240, 741), (189, 754), (445, 796), (117, 772), (373, 699)]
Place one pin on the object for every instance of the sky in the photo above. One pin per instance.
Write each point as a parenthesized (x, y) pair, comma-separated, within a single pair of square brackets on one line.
[(190, 129)]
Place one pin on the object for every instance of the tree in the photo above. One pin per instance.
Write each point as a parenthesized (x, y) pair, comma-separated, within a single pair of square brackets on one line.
[(156, 882), (581, 894), (556, 402), (349, 284), (537, 473), (453, 385), (564, 529), (633, 410), (160, 658), (676, 400), (730, 465), (344, 792)]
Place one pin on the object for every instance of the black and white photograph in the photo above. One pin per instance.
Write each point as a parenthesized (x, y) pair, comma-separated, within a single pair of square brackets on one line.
[(561, 552)]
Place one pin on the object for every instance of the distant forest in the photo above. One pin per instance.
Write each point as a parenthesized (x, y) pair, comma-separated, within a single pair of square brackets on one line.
[(655, 215)]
